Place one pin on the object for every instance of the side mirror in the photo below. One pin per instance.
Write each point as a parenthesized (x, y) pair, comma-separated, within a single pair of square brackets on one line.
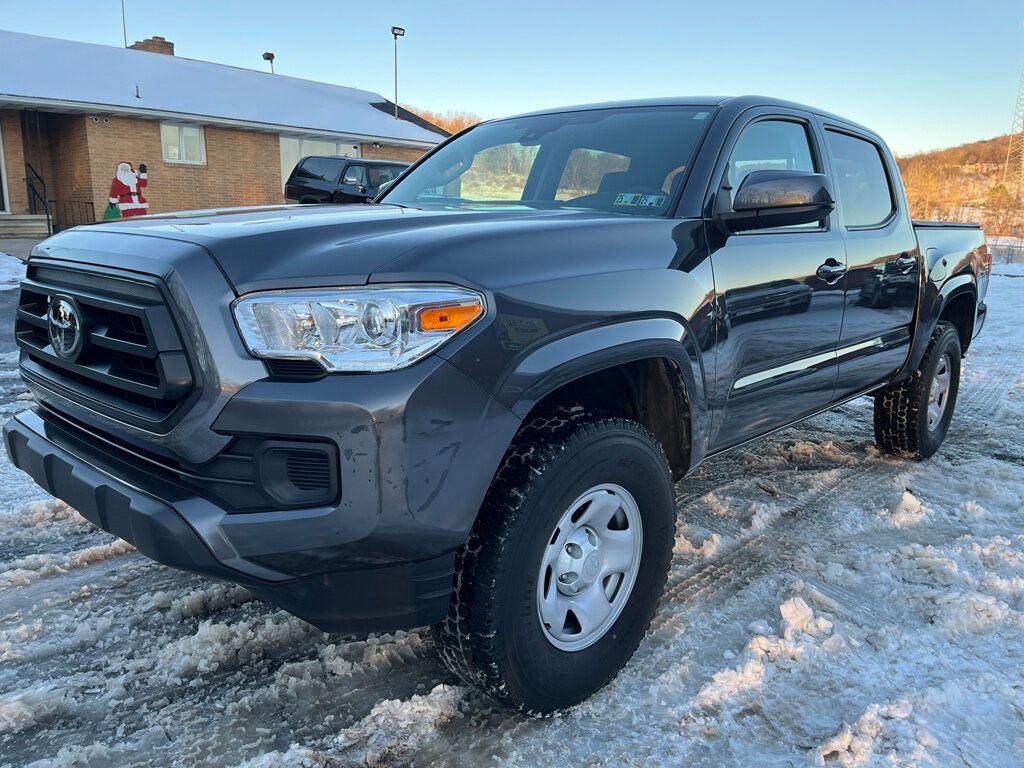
[(768, 199), (384, 187)]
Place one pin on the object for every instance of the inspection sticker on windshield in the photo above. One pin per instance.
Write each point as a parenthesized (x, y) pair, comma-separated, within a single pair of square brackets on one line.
[(643, 201)]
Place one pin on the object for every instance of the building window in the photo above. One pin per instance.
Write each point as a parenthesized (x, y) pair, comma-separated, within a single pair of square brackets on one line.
[(183, 143), (294, 148)]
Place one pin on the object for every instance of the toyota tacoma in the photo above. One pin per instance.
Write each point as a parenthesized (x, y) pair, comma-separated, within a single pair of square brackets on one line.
[(466, 404)]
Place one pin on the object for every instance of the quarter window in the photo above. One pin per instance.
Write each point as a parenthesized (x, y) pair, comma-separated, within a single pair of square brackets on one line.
[(183, 143), (865, 193)]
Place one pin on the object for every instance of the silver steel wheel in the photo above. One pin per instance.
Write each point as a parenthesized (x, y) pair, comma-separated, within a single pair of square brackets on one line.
[(938, 395), (589, 567)]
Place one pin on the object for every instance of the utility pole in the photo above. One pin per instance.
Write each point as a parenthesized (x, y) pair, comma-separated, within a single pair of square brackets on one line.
[(1013, 170), (397, 32), (124, 25)]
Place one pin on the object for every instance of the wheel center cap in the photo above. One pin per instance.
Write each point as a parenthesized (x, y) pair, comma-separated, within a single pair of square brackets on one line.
[(591, 567)]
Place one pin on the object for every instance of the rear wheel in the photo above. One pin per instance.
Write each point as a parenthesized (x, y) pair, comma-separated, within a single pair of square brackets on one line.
[(912, 417), (564, 569)]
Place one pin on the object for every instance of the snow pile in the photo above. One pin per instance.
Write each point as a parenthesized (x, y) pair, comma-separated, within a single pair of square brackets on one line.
[(44, 512), (375, 652), (880, 730), (10, 639), (971, 588), (708, 547), (25, 570), (27, 708), (394, 728), (906, 511), (799, 632), (197, 603), (216, 645), (389, 734)]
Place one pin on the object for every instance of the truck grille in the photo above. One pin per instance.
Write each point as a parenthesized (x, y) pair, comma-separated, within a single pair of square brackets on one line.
[(131, 364)]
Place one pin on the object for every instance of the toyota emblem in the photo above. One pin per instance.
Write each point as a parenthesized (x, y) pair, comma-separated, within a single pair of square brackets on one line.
[(65, 327)]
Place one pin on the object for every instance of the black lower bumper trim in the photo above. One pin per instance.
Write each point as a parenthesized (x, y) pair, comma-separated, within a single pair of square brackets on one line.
[(366, 600)]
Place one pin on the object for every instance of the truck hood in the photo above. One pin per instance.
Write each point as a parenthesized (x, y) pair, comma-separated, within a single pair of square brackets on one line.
[(314, 246)]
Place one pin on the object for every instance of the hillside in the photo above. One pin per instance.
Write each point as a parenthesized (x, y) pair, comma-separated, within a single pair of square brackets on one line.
[(963, 182)]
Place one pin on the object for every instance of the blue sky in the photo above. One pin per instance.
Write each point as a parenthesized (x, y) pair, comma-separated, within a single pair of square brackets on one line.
[(923, 74)]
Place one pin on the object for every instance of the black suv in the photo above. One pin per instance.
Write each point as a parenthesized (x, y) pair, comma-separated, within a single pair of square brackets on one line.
[(326, 179)]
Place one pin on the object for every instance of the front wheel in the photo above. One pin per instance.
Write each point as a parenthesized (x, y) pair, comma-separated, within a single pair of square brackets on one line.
[(565, 566), (912, 417)]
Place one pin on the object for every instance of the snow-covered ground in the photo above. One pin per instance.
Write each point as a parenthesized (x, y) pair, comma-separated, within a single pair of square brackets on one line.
[(12, 270), (827, 605)]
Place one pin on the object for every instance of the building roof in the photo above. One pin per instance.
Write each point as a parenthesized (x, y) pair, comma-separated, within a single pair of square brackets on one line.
[(65, 75)]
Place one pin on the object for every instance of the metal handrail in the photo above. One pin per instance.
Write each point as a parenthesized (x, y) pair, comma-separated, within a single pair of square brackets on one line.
[(71, 213), (34, 194)]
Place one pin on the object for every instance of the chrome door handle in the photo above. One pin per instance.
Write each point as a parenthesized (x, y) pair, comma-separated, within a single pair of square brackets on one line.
[(831, 271), (905, 262)]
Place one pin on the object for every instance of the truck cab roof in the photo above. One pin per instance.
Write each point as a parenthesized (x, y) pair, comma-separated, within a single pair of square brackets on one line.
[(735, 104)]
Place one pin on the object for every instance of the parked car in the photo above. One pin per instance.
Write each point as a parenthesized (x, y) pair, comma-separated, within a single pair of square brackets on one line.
[(328, 179), (467, 404)]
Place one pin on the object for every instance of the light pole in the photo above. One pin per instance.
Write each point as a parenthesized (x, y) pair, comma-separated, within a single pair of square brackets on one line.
[(397, 32), (269, 56)]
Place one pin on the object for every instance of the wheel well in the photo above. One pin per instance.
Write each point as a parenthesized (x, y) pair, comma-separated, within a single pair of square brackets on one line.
[(960, 311), (651, 392)]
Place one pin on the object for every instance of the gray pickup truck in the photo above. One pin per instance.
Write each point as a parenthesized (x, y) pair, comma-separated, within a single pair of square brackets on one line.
[(467, 403)]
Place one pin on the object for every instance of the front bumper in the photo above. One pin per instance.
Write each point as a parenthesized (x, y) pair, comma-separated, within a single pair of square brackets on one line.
[(417, 451), (365, 600)]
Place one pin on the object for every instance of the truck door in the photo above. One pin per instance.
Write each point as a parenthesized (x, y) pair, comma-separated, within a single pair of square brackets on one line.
[(354, 186), (883, 263), (779, 291)]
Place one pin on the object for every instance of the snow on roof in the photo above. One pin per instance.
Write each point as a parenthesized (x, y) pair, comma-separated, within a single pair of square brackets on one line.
[(42, 69)]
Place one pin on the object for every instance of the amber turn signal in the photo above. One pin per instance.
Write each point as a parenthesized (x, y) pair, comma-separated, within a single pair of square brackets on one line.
[(449, 318)]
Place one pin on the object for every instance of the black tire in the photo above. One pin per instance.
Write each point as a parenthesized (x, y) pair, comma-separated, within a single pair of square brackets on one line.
[(901, 410), (492, 637)]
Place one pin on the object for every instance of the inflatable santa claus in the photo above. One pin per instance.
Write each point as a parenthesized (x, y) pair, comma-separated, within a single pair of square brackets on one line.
[(125, 191)]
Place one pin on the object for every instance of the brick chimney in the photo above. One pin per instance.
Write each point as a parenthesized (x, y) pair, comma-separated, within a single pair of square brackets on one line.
[(155, 44)]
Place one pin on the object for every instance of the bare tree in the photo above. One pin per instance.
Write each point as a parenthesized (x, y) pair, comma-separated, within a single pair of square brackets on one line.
[(453, 120)]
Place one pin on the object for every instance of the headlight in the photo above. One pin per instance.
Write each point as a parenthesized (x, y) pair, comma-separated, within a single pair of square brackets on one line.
[(356, 329)]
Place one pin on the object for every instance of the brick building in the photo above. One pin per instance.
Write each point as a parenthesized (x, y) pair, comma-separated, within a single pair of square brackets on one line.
[(209, 135)]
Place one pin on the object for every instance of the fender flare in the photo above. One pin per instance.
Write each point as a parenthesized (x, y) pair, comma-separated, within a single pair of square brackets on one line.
[(936, 301), (564, 359)]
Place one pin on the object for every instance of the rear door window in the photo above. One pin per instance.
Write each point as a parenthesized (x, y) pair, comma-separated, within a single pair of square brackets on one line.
[(319, 168), (588, 171), (497, 173), (382, 174), (865, 193)]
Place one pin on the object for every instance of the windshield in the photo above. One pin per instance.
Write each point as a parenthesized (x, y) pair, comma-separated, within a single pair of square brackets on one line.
[(627, 160)]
